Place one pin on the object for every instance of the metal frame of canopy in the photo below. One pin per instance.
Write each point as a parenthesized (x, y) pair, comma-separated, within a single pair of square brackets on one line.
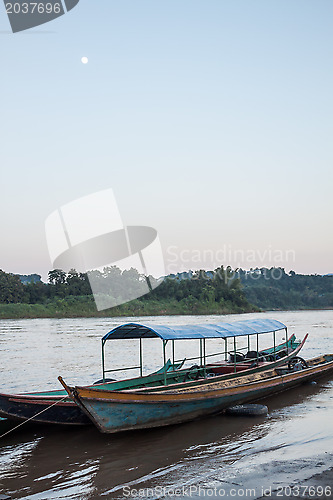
[(192, 332)]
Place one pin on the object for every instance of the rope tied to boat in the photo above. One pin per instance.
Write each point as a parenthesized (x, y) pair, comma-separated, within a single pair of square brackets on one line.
[(34, 416)]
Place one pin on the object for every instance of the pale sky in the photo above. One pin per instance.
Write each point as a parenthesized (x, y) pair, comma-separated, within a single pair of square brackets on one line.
[(211, 120)]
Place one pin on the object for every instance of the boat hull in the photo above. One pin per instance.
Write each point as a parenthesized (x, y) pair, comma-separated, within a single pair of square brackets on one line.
[(20, 407), (114, 412), (40, 407)]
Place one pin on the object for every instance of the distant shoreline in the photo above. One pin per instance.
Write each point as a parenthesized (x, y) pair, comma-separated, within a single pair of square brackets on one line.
[(81, 309), (61, 309), (222, 291)]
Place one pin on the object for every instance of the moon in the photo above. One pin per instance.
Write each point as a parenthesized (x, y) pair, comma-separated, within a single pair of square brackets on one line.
[(84, 60)]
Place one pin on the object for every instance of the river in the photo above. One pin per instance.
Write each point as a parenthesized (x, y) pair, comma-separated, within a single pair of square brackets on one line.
[(214, 457)]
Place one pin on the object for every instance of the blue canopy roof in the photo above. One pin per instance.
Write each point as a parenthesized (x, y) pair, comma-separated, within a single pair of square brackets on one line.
[(204, 331)]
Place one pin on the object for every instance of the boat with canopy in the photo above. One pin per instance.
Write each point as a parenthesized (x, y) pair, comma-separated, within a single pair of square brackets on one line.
[(55, 407), (115, 411)]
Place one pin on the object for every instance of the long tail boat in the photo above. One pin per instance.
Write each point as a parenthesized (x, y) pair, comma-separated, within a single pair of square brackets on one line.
[(115, 411), (55, 407)]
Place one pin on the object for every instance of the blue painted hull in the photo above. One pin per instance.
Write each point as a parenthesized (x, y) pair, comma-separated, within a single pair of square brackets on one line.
[(116, 417), (126, 410)]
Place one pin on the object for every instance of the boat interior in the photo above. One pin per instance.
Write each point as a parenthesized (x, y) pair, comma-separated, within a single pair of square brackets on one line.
[(295, 364)]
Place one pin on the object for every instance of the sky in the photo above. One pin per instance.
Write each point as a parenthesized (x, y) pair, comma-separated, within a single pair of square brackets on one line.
[(211, 121)]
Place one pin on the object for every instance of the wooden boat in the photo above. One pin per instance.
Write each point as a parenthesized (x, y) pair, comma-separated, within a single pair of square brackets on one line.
[(115, 411), (53, 407), (58, 408)]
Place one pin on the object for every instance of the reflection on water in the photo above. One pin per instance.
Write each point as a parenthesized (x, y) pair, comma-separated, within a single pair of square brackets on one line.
[(293, 443)]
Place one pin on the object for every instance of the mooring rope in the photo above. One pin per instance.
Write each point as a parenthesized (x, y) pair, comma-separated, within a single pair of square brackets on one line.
[(31, 418)]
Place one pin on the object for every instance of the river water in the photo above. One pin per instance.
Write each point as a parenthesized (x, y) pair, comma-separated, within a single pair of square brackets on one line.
[(218, 456)]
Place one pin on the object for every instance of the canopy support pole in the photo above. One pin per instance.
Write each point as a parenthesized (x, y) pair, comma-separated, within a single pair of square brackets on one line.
[(200, 352), (248, 343), (140, 356), (274, 344), (257, 349), (287, 342), (173, 354), (226, 349), (235, 369), (204, 353), (164, 360), (103, 361)]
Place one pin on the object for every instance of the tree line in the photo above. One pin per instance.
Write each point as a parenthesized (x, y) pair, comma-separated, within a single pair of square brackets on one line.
[(223, 289), (274, 288), (220, 287), (60, 284)]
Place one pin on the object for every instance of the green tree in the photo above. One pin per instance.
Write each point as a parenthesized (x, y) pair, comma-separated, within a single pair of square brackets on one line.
[(57, 277), (11, 288)]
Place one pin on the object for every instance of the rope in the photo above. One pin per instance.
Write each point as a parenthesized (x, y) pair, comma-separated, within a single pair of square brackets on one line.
[(31, 418)]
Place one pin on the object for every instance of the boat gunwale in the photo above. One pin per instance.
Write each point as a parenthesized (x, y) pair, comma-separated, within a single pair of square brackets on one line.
[(167, 396)]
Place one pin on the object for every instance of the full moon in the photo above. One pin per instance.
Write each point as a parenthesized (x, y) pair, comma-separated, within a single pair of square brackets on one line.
[(84, 60)]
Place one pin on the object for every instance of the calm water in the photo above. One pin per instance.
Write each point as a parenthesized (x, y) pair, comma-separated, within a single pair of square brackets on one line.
[(286, 448)]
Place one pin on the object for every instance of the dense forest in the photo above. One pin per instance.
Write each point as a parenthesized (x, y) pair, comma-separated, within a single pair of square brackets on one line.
[(221, 291), (69, 294), (275, 289)]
